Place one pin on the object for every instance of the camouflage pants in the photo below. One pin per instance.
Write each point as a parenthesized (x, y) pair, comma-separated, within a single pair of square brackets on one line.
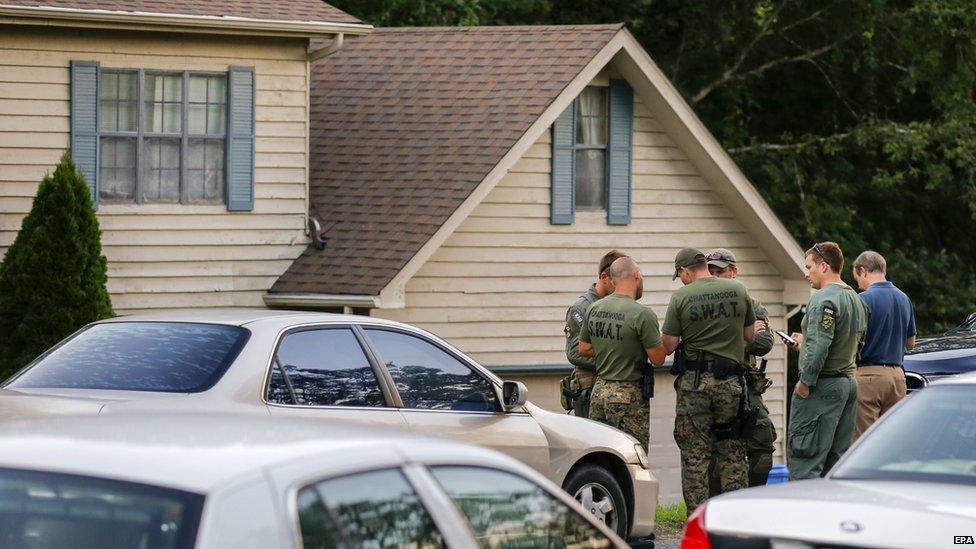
[(619, 404), (698, 410)]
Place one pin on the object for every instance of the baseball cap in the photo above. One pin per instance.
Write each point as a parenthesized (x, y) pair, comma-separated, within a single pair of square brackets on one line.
[(721, 258), (686, 258)]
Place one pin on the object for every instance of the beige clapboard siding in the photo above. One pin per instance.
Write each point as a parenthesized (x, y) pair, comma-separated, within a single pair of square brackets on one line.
[(498, 288), (165, 256)]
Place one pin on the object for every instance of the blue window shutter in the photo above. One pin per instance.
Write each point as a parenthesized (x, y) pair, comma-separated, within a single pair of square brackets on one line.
[(563, 179), (619, 153), (84, 122), (240, 139)]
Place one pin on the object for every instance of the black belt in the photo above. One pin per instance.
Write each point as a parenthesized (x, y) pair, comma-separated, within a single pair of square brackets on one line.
[(885, 365), (828, 376)]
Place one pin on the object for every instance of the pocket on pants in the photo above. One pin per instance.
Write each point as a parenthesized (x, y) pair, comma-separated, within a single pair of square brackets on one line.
[(804, 438), (763, 433)]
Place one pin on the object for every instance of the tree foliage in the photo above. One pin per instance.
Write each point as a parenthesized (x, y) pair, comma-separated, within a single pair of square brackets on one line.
[(52, 279), (855, 120)]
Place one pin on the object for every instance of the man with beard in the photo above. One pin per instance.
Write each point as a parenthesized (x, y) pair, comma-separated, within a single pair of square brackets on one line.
[(584, 368), (622, 334)]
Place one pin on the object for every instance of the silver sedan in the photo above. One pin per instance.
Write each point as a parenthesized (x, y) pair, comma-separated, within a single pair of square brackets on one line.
[(175, 481), (908, 482), (356, 369)]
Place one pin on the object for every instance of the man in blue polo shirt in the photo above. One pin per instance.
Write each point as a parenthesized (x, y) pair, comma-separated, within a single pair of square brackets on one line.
[(891, 330)]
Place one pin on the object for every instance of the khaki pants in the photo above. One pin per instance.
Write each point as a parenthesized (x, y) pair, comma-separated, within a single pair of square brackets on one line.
[(878, 389)]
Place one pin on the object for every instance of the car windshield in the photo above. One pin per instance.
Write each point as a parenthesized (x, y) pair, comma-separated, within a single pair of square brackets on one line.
[(48, 510), (175, 357), (931, 437)]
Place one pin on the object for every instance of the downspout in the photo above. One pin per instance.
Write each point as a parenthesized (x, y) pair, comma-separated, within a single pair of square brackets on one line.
[(336, 44), (313, 56)]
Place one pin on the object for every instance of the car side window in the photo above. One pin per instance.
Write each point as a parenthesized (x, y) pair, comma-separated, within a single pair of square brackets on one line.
[(428, 377), (506, 510), (325, 367), (376, 509)]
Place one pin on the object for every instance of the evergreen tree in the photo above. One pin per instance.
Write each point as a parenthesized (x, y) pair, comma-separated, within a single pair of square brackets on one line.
[(52, 279)]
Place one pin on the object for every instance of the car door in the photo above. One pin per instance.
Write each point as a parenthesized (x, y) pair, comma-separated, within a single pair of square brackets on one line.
[(442, 395), (322, 372)]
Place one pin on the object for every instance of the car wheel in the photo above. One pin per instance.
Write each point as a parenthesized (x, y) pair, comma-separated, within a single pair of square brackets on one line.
[(600, 495)]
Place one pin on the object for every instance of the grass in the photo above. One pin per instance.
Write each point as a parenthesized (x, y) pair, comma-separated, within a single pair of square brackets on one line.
[(669, 520)]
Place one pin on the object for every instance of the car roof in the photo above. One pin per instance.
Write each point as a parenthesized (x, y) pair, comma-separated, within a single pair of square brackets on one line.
[(202, 453), (242, 317)]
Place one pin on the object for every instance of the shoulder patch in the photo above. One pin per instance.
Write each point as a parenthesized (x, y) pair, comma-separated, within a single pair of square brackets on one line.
[(827, 320), (578, 317)]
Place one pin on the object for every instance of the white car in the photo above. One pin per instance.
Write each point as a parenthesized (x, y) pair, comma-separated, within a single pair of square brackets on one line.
[(185, 481), (908, 482), (356, 369)]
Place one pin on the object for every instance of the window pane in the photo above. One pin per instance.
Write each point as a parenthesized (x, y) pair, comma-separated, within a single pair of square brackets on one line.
[(128, 86), (161, 176), (127, 116), (329, 368), (198, 89), (205, 171), (139, 356), (505, 510), (371, 510), (428, 377), (108, 115), (108, 86), (217, 90), (117, 168), (46, 510), (591, 116), (591, 178), (215, 119), (197, 119)]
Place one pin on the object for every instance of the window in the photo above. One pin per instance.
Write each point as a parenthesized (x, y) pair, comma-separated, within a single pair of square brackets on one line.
[(55, 510), (325, 367), (427, 377), (162, 136), (505, 510), (372, 510), (591, 149), (175, 357)]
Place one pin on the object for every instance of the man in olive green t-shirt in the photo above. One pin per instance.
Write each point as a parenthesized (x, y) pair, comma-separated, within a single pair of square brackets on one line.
[(823, 408), (618, 331), (714, 319)]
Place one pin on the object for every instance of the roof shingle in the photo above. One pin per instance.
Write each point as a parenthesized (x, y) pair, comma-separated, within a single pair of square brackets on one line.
[(290, 10), (405, 123)]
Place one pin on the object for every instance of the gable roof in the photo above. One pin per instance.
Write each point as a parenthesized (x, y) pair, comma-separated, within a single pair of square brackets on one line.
[(406, 120), (290, 10), (406, 123)]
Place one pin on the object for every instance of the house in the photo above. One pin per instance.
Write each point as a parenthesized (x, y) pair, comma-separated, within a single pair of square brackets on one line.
[(467, 181), (191, 121), (464, 180)]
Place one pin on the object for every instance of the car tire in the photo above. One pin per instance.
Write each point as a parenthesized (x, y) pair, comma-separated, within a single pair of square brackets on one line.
[(600, 494)]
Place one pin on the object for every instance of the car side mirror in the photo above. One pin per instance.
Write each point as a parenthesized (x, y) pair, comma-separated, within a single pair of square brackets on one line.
[(514, 394)]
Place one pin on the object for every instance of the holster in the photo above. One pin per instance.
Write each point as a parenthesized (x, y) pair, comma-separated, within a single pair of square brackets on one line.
[(647, 378), (678, 363), (745, 419), (569, 391)]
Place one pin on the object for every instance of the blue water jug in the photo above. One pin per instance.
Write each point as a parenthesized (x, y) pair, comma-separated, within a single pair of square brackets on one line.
[(778, 474)]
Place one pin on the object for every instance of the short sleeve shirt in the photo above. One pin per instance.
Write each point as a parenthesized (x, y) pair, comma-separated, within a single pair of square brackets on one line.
[(620, 330), (710, 315), (891, 323)]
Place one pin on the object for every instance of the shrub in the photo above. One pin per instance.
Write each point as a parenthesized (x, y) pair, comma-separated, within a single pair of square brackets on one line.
[(52, 279)]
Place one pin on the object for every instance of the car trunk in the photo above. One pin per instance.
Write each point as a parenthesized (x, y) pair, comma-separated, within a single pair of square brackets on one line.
[(24, 403)]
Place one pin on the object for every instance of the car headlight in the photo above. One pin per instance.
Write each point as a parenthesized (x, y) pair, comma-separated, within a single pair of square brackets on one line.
[(642, 458)]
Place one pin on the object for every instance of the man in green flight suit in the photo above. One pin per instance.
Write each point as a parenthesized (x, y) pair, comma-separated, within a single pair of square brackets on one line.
[(619, 332), (584, 368), (759, 440), (823, 408), (713, 319)]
